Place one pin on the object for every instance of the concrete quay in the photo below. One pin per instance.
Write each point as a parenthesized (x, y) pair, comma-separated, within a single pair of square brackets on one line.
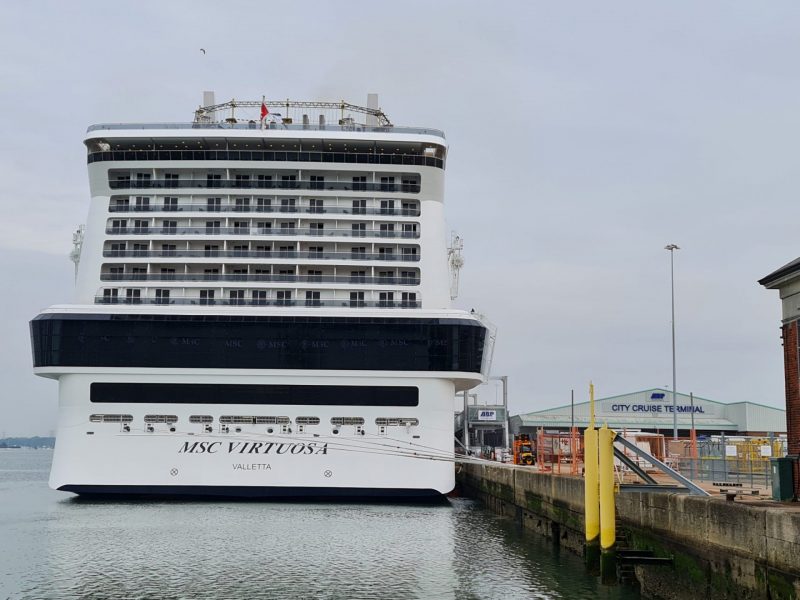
[(722, 550)]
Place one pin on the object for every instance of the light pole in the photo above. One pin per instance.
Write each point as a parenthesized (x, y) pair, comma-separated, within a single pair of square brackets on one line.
[(504, 380), (672, 248)]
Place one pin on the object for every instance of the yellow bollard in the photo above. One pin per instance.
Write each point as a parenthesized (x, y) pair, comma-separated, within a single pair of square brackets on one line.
[(608, 525), (591, 489)]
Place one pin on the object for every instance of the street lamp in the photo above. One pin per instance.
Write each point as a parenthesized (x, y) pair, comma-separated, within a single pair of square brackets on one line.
[(672, 248)]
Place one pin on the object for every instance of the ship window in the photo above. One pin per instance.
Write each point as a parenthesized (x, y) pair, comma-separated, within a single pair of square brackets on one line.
[(312, 299), (357, 300), (253, 420), (347, 420), (307, 420), (162, 296), (386, 299), (396, 422), (110, 418), (201, 419), (160, 419), (295, 395), (409, 208)]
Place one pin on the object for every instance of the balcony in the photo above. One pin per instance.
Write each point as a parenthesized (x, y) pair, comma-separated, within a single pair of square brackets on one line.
[(333, 210), (215, 184), (263, 278), (288, 231), (343, 303), (277, 254)]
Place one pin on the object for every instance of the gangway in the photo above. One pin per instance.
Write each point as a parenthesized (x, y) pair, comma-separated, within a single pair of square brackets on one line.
[(650, 483)]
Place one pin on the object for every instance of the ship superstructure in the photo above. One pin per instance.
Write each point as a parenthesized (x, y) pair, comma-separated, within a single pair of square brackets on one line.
[(262, 309)]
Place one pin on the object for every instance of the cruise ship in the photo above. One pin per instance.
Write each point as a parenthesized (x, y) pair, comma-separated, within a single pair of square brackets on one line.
[(262, 310)]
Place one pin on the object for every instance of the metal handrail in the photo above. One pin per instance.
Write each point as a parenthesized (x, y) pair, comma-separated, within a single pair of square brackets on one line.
[(289, 231), (256, 184), (260, 277), (261, 302), (277, 254), (211, 208)]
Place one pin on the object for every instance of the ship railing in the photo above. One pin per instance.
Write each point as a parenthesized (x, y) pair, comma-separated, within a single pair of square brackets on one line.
[(260, 277), (291, 231), (343, 303), (272, 254), (251, 125), (210, 208), (416, 160), (257, 184)]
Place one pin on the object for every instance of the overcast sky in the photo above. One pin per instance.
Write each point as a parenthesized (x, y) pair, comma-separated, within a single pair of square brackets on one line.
[(584, 137)]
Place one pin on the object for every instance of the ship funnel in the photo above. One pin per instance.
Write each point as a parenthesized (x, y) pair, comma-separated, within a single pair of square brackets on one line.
[(372, 102), (208, 100)]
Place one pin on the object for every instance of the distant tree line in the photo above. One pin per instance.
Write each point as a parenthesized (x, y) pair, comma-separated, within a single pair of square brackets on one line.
[(28, 442)]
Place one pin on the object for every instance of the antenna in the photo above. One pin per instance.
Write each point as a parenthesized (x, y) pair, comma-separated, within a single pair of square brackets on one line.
[(77, 244), (455, 261)]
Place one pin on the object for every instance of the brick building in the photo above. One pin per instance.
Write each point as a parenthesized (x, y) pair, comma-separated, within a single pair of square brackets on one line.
[(787, 281)]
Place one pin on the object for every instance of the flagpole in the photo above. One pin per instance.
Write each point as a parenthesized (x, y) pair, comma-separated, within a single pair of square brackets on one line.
[(263, 101)]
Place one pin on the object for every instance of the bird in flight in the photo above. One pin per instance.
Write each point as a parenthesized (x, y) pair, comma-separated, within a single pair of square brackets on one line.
[(203, 50)]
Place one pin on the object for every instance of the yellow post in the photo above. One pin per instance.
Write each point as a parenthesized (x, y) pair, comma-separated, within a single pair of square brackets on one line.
[(590, 482), (608, 526)]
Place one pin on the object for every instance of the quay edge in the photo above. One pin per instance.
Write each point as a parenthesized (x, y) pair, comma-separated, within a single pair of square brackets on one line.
[(722, 550)]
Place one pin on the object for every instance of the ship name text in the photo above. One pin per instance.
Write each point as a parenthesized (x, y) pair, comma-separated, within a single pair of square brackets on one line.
[(252, 448)]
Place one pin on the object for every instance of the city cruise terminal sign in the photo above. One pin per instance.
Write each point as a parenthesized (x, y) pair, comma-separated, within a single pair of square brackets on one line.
[(658, 404)]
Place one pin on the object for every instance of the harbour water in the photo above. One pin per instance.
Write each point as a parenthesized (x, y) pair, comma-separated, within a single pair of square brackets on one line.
[(56, 546)]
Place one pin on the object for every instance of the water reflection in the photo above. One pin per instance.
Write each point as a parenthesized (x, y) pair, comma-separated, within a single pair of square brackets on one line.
[(68, 548)]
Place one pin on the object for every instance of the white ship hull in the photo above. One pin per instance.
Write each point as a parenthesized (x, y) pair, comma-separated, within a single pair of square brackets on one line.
[(400, 462)]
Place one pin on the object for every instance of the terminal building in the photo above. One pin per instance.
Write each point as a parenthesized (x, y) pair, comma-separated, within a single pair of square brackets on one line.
[(652, 411)]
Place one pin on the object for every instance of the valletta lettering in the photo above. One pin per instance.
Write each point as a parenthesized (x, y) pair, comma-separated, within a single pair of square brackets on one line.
[(252, 448)]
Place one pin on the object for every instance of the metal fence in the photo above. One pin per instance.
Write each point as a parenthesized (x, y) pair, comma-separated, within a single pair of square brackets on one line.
[(744, 462)]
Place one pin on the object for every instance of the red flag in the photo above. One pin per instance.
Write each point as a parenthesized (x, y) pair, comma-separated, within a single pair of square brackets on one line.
[(264, 111)]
